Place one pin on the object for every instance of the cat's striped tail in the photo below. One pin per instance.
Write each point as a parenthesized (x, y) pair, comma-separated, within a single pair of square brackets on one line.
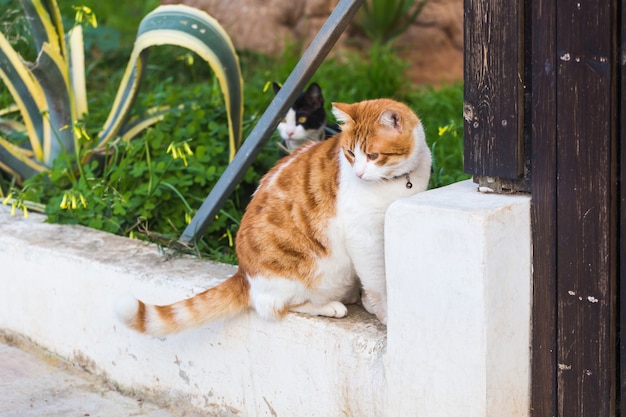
[(227, 299)]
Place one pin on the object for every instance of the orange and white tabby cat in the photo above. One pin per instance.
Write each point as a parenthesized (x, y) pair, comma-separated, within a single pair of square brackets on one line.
[(312, 236)]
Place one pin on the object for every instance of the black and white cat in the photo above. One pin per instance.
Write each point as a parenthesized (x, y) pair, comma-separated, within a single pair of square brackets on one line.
[(305, 121)]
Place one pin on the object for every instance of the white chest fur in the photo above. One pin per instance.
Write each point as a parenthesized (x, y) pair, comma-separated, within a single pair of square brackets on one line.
[(361, 208)]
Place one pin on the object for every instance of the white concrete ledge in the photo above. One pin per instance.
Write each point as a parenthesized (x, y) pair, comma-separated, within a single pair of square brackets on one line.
[(456, 345)]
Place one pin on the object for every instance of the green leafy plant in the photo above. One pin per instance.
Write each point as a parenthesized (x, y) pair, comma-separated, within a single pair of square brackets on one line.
[(50, 94), (442, 114), (146, 188), (384, 20)]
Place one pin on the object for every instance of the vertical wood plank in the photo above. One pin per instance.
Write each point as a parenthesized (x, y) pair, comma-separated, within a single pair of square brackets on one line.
[(584, 289), (541, 29), (622, 203), (493, 99)]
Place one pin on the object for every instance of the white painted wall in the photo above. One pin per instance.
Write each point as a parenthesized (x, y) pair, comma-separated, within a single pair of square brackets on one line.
[(457, 342)]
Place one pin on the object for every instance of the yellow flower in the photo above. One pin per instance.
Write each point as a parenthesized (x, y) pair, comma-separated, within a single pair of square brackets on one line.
[(63, 204), (85, 14), (80, 132), (180, 150), (6, 200), (71, 200), (16, 199), (18, 205), (187, 58)]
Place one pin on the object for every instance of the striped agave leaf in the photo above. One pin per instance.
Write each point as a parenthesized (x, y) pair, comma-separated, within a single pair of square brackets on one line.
[(51, 95), (45, 23), (197, 31), (9, 152), (42, 92), (52, 73), (27, 93)]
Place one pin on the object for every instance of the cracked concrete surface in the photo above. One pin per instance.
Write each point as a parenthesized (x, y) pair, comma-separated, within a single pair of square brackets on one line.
[(33, 386)]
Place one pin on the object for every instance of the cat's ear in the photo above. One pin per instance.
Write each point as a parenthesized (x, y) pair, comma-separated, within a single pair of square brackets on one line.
[(314, 95), (342, 112), (276, 87), (391, 119)]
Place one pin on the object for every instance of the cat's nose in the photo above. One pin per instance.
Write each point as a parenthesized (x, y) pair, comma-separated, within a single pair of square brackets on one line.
[(360, 174)]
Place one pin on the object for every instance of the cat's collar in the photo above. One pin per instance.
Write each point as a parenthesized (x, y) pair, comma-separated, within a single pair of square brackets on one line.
[(406, 176)]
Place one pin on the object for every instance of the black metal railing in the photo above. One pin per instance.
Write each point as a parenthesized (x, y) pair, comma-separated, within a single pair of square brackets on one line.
[(297, 80)]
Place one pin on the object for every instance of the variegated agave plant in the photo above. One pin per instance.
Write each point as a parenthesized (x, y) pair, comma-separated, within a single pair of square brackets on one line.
[(51, 96)]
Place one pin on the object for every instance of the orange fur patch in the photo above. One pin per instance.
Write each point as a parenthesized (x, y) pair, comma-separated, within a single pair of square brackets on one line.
[(283, 231), (366, 130)]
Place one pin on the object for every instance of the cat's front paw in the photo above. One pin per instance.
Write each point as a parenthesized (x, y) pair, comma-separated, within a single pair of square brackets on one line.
[(335, 309), (375, 304)]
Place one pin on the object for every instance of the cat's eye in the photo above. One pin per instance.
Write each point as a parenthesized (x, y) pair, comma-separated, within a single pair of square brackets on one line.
[(372, 156), (301, 119), (350, 153), (284, 121)]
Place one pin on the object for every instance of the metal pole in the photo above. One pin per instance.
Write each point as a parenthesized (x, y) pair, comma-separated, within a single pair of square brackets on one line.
[(297, 80)]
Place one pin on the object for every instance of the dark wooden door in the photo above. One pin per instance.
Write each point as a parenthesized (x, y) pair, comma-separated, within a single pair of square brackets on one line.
[(622, 220), (570, 66)]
